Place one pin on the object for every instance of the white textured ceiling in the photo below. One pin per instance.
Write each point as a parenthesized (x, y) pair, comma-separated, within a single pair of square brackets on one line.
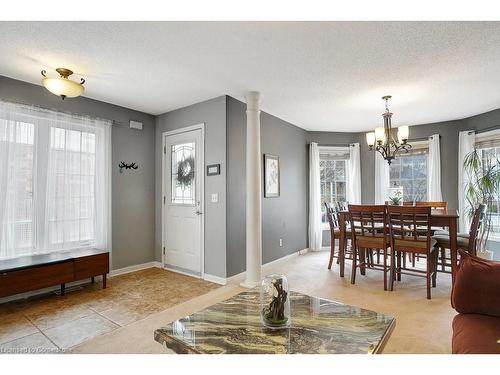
[(318, 75)]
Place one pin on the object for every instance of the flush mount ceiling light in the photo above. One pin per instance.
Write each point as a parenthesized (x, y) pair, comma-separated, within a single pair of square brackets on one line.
[(62, 86)]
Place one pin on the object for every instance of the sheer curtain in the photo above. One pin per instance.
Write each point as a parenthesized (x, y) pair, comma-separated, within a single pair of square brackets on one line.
[(382, 181), (434, 170), (466, 141), (55, 181), (315, 232), (17, 160), (78, 183), (354, 173)]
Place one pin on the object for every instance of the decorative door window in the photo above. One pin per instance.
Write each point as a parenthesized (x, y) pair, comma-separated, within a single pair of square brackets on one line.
[(183, 173)]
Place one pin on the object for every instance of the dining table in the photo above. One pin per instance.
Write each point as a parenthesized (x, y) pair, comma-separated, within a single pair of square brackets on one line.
[(439, 218)]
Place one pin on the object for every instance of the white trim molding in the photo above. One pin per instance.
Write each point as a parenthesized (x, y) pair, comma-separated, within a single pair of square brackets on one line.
[(136, 267), (215, 279), (241, 276)]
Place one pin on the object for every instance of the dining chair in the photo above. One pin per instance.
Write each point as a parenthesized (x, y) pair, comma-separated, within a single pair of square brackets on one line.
[(436, 205), (433, 205), (368, 232), (465, 242), (333, 221), (410, 232)]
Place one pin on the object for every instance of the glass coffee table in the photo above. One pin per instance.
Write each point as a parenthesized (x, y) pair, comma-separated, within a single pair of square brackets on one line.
[(318, 326)]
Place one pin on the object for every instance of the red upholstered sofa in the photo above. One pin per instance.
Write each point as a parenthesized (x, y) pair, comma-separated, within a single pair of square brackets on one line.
[(476, 297)]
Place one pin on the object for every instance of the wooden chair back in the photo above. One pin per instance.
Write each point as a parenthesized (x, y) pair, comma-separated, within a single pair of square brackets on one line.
[(341, 206), (332, 216), (368, 224), (434, 205), (477, 221), (409, 203), (410, 228)]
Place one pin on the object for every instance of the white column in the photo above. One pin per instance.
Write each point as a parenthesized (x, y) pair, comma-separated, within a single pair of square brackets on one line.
[(253, 193)]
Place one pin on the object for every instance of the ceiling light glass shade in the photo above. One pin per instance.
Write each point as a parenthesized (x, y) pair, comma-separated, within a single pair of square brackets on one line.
[(63, 87), (380, 134), (370, 139), (403, 133)]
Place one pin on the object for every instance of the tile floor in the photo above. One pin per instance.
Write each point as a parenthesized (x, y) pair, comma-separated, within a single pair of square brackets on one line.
[(53, 323)]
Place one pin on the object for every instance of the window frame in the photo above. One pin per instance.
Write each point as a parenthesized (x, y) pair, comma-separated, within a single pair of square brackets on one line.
[(418, 145), (44, 121), (330, 150), (482, 139)]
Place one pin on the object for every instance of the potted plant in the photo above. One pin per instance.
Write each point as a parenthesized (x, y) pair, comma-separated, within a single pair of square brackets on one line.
[(396, 196), (482, 187)]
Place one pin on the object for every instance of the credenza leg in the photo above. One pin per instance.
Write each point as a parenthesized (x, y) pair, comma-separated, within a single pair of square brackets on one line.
[(92, 279), (63, 289), (104, 281)]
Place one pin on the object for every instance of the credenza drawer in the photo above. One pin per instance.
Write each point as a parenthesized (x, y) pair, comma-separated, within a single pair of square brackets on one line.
[(13, 282), (91, 266)]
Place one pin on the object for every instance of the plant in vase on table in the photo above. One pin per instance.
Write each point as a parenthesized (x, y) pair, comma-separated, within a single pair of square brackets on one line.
[(396, 196)]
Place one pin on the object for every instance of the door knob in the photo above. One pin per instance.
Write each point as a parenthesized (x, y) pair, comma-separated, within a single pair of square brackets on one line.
[(199, 212)]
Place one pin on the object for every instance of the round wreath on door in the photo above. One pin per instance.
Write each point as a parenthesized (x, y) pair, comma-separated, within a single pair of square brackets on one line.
[(185, 172)]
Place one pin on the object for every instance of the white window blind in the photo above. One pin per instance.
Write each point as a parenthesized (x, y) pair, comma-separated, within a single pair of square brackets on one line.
[(54, 181)]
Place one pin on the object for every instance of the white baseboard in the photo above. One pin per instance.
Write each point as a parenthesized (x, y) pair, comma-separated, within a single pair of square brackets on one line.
[(136, 267), (236, 279), (181, 272), (215, 279)]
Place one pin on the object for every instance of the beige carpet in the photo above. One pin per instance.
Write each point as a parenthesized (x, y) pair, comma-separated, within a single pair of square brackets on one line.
[(423, 326)]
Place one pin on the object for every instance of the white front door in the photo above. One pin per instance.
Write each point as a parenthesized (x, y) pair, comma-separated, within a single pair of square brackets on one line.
[(183, 201)]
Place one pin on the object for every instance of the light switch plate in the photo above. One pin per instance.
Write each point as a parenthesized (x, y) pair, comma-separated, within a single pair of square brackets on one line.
[(215, 198)]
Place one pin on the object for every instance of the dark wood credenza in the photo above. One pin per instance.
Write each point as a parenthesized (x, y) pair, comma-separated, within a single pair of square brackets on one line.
[(28, 273)]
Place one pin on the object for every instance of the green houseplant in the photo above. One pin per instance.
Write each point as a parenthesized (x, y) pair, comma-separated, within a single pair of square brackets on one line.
[(396, 199), (482, 186)]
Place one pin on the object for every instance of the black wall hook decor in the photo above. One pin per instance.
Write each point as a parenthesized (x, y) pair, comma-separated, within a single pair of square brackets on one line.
[(127, 166)]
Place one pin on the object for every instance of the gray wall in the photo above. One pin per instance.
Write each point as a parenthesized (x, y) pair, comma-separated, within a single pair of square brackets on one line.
[(284, 217), (213, 114), (449, 155), (448, 130), (132, 192), (136, 196), (449, 160)]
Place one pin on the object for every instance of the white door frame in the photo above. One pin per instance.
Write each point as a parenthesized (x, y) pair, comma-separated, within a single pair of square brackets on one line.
[(202, 194)]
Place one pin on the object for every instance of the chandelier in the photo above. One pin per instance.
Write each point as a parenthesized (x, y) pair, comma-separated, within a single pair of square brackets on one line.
[(383, 140), (62, 86)]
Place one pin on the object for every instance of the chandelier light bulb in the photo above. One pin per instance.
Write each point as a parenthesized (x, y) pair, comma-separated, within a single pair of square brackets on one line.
[(403, 133), (380, 134), (370, 139)]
